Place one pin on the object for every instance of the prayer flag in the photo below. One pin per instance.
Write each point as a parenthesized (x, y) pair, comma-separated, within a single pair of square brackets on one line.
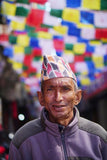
[(38, 1), (36, 52), (23, 40), (101, 33), (85, 81), (23, 1), (61, 4), (34, 42), (79, 48), (103, 4), (50, 20), (90, 48), (91, 4), (18, 49), (88, 33), (56, 13), (35, 17), (45, 35), (4, 37), (28, 50), (21, 11), (68, 46), (12, 39), (100, 19), (74, 31), (73, 4), (17, 65), (86, 17), (71, 15), (58, 44), (17, 25), (61, 29), (8, 8), (8, 52)]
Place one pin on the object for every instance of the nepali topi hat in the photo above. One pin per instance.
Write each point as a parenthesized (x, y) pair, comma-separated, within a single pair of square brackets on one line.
[(55, 66)]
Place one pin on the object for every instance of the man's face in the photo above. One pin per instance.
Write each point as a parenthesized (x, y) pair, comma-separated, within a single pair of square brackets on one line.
[(59, 97)]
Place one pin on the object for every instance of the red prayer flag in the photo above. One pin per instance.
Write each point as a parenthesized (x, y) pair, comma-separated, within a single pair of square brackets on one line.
[(27, 60), (41, 29), (72, 65), (36, 52), (101, 33), (38, 1), (79, 58), (35, 17), (58, 44), (4, 37)]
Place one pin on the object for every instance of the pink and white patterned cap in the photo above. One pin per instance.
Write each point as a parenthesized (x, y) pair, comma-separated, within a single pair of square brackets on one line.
[(55, 66)]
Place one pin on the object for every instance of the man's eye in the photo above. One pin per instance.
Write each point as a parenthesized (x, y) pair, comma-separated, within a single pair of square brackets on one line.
[(49, 89), (66, 88)]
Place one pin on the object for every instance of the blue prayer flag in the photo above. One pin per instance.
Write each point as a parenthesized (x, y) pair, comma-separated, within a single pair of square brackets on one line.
[(34, 42), (90, 48), (73, 3), (74, 31), (8, 52), (86, 17)]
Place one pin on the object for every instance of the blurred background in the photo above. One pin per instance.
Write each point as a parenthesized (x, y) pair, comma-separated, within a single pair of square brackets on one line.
[(75, 30)]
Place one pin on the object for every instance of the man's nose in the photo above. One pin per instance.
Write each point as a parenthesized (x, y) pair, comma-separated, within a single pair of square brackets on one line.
[(58, 96)]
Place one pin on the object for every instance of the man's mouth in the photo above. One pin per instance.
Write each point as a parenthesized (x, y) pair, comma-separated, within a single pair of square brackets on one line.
[(58, 107)]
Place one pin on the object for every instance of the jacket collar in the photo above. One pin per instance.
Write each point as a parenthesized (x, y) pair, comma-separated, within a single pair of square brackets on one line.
[(53, 128)]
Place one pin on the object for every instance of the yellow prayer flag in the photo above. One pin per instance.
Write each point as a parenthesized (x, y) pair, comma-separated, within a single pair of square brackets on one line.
[(91, 4), (84, 73), (8, 8), (95, 42), (23, 40), (44, 35), (85, 81), (18, 49), (17, 65), (71, 15), (68, 52), (79, 48), (61, 29), (81, 25), (18, 25), (98, 61), (38, 75)]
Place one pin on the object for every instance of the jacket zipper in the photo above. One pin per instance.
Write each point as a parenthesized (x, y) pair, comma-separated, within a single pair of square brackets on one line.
[(63, 144)]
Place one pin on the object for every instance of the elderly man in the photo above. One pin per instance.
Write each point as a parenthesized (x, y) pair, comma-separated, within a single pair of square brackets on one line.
[(60, 133)]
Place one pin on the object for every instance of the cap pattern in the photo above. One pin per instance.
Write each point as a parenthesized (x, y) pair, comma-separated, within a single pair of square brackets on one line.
[(55, 66)]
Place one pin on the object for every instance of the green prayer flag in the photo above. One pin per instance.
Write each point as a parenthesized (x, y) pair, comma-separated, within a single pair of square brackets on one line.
[(87, 58), (23, 1), (56, 12), (46, 26), (68, 46), (32, 34), (37, 58), (12, 39), (28, 50), (25, 67), (21, 11), (29, 28), (103, 4)]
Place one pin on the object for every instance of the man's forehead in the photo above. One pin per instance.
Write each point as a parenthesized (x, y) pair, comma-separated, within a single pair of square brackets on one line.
[(59, 81)]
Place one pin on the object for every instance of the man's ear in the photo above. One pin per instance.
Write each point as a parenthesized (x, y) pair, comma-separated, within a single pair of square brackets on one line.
[(40, 97), (78, 96)]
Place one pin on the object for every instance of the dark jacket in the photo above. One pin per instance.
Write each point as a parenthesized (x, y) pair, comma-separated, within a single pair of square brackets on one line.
[(42, 140)]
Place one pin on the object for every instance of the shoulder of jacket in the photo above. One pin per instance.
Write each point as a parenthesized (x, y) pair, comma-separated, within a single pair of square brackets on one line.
[(93, 128), (29, 129)]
